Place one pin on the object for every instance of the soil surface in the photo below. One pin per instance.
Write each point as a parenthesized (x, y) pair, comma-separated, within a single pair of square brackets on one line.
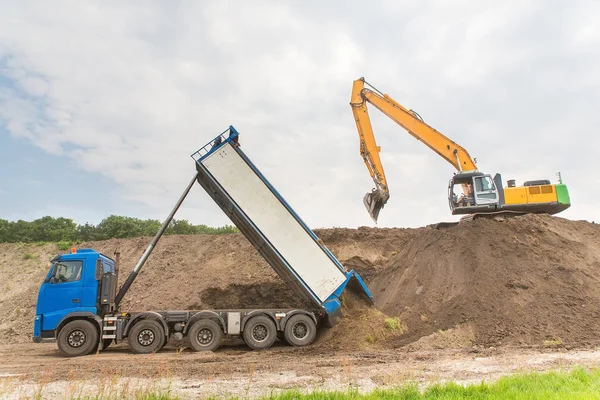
[(233, 371), (525, 280), (529, 280), (521, 285)]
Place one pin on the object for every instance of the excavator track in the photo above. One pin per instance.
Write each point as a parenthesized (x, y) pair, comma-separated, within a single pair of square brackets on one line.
[(496, 216)]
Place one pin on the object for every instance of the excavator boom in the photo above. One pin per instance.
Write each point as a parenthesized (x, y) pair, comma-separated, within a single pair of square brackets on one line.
[(409, 120)]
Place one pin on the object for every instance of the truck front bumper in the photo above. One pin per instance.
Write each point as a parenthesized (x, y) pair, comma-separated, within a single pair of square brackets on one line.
[(37, 329)]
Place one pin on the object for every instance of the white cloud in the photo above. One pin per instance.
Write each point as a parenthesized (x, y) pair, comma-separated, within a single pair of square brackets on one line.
[(129, 91)]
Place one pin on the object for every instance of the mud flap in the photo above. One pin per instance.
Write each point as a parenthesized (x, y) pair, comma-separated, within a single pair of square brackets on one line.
[(333, 313)]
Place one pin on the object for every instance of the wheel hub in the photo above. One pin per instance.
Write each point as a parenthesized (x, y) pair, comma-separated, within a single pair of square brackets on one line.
[(146, 337), (300, 330), (260, 333), (205, 336), (76, 338)]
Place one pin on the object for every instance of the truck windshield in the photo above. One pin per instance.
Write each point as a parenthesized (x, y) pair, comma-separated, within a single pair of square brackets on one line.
[(67, 271)]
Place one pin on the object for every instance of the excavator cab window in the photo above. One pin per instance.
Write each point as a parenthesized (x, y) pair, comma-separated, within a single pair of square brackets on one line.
[(461, 195), (483, 184), (485, 190)]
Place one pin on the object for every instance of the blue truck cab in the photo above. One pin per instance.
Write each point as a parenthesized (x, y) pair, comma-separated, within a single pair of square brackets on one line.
[(72, 290)]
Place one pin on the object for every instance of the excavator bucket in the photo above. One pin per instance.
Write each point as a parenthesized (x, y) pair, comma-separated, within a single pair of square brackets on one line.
[(374, 202)]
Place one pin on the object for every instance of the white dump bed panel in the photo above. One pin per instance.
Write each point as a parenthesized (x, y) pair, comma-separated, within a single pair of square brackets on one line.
[(272, 218)]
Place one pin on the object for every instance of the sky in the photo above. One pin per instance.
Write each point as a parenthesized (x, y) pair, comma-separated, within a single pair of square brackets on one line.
[(102, 103)]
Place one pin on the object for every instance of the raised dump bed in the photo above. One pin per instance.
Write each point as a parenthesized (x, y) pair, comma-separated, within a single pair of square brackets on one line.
[(289, 246)]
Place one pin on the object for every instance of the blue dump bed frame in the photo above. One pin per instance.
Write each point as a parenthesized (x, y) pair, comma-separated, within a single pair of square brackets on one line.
[(330, 306)]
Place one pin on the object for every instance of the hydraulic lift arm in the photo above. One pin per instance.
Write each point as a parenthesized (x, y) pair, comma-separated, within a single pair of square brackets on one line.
[(152, 244)]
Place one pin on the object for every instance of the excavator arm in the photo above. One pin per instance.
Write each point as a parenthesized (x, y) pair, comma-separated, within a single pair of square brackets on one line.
[(409, 120), (376, 199)]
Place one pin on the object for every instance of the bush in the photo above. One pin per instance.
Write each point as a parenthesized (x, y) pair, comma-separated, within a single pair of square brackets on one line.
[(64, 231), (64, 245), (393, 324)]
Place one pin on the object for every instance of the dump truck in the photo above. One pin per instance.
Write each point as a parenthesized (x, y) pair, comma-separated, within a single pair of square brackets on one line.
[(78, 302)]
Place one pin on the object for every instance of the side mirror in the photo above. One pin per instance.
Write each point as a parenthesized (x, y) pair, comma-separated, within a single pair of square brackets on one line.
[(52, 278)]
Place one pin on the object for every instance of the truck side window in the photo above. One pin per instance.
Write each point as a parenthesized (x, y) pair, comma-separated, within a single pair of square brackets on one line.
[(99, 269), (67, 271)]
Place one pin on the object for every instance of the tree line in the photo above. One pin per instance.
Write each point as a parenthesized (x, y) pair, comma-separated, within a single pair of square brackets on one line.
[(49, 229)]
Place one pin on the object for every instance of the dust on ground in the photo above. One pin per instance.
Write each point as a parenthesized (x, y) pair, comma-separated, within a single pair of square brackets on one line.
[(236, 372)]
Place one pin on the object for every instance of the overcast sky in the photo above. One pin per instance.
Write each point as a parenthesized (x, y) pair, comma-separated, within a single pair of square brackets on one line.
[(101, 103)]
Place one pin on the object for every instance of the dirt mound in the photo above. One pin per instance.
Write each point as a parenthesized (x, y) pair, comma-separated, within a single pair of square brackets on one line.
[(529, 280), (22, 268), (261, 295), (526, 280), (362, 327)]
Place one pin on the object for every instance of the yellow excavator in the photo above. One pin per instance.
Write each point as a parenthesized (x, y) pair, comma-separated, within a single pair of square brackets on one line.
[(481, 193)]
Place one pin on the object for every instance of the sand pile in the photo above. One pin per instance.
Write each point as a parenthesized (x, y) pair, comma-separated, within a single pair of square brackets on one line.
[(526, 281)]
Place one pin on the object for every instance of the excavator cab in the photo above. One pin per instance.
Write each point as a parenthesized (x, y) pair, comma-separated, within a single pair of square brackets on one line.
[(478, 192)]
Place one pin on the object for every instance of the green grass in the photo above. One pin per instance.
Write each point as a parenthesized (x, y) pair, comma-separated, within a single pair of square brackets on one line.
[(29, 256), (393, 324), (553, 342), (577, 384), (64, 245)]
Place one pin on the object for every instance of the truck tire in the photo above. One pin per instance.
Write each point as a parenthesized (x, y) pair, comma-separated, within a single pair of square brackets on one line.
[(260, 332), (205, 335), (300, 330), (146, 336), (77, 338)]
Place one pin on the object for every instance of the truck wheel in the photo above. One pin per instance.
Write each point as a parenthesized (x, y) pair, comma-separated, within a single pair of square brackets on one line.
[(205, 335), (146, 336), (260, 332), (77, 338), (300, 330)]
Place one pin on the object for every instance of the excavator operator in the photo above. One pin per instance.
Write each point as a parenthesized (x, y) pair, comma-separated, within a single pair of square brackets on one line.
[(465, 199)]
